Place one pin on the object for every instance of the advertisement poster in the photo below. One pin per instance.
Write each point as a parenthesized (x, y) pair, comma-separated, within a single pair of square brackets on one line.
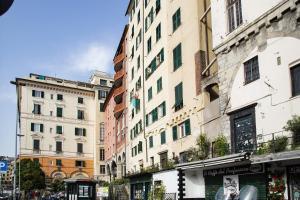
[(231, 185), (102, 192)]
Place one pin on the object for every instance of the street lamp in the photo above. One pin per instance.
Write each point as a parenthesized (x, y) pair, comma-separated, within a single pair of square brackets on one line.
[(16, 132)]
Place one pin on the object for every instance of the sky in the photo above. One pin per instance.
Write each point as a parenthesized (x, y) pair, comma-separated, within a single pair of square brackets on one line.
[(62, 38)]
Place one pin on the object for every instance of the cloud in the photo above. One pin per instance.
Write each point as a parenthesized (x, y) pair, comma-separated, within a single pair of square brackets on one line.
[(94, 56)]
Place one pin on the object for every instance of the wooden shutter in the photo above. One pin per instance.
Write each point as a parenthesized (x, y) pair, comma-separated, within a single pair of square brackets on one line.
[(175, 136), (84, 132), (76, 131), (42, 94), (187, 124), (33, 93), (32, 127), (41, 128)]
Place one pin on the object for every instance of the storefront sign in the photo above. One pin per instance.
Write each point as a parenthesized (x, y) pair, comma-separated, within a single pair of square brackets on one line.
[(102, 192), (248, 169), (231, 185)]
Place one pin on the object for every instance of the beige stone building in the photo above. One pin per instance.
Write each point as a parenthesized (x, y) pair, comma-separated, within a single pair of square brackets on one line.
[(172, 81), (61, 123)]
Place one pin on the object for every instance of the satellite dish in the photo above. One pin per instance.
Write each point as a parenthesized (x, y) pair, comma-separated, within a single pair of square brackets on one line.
[(5, 5)]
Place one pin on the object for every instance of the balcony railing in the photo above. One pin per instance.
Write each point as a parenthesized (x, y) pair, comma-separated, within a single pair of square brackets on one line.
[(276, 142), (119, 74), (119, 58)]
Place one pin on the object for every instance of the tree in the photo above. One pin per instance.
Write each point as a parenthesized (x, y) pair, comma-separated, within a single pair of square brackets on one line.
[(32, 177), (58, 185)]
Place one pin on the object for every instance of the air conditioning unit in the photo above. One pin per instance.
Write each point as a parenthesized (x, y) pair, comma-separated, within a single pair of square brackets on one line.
[(149, 70)]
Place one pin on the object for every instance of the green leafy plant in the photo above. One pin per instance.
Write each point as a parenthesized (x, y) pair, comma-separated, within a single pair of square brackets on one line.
[(293, 125), (263, 149), (279, 144), (157, 192), (58, 185), (203, 144), (120, 182), (221, 147)]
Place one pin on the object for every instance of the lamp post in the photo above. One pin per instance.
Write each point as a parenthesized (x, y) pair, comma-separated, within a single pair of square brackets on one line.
[(19, 135), (16, 137)]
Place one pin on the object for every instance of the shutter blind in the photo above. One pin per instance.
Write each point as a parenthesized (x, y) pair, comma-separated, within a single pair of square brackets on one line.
[(187, 127), (175, 137)]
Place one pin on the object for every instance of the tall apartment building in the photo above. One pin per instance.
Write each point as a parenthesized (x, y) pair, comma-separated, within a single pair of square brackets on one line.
[(116, 114), (102, 82), (60, 124), (171, 76)]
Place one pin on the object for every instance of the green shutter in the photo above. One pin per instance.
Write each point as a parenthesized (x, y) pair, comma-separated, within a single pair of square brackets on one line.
[(84, 132), (33, 93), (41, 128), (159, 84), (163, 137), (164, 108), (151, 141), (175, 136), (147, 123), (149, 93), (154, 115), (187, 124), (59, 129), (32, 127), (178, 94), (177, 57)]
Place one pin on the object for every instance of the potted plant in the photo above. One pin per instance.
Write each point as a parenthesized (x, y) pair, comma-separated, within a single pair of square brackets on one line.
[(279, 144), (203, 144), (221, 146), (293, 125)]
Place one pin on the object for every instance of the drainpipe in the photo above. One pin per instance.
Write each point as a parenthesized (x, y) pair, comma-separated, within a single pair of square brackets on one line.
[(143, 67), (206, 35)]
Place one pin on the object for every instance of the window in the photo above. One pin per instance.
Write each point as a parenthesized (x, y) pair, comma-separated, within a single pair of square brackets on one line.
[(59, 129), (37, 127), (158, 32), (150, 141), (138, 40), (132, 73), (132, 31), (51, 96), (39, 94), (102, 94), (36, 109), (156, 114), (140, 147), (132, 52), (139, 17), (59, 112), (243, 130), (178, 97), (146, 3), (80, 132), (60, 97), (102, 132), (79, 148), (251, 70), (234, 12), (139, 62), (176, 20), (58, 163), (80, 114), (152, 161), (149, 19), (36, 145), (177, 57), (137, 105), (149, 45), (182, 130), (163, 137), (155, 63), (80, 100), (79, 163), (157, 8), (149, 93), (159, 84), (102, 107), (58, 146), (102, 169), (163, 159), (103, 82), (138, 84), (295, 75), (102, 154)]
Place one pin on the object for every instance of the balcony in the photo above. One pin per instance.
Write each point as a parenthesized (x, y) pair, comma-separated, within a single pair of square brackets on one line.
[(118, 61), (118, 94), (119, 108), (119, 76)]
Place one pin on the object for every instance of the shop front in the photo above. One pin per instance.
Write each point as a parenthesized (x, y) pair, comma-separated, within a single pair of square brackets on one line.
[(140, 186), (294, 182), (236, 182)]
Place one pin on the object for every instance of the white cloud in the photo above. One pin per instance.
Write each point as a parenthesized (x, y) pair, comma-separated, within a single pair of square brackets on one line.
[(93, 57)]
